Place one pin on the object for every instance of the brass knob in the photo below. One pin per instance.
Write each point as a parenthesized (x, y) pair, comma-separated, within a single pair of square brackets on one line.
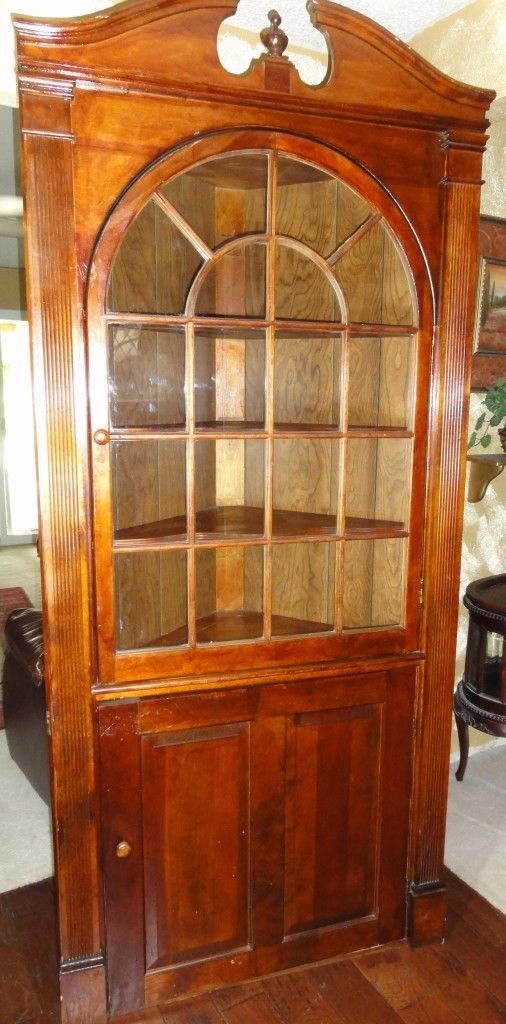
[(123, 849), (101, 437)]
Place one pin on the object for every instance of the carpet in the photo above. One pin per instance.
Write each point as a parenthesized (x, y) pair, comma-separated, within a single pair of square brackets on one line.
[(11, 598), (25, 828), (476, 824)]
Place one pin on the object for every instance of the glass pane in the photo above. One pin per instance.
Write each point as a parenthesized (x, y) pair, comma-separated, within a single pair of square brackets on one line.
[(151, 599), (146, 377), (154, 266), (305, 486), (223, 197), (375, 280), (381, 382), (303, 291), (374, 583), (229, 380), (307, 380), (235, 284), (377, 484), (230, 584), (303, 588), (229, 488), (149, 490)]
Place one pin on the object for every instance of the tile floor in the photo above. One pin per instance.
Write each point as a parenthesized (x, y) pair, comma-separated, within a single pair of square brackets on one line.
[(476, 833)]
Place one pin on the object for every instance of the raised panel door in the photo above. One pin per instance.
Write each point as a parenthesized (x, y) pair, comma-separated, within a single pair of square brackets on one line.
[(266, 826)]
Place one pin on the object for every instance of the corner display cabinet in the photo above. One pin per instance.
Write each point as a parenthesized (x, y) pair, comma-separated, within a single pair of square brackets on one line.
[(251, 305)]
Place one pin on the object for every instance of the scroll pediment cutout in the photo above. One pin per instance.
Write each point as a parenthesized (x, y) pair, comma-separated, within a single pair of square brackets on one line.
[(246, 41)]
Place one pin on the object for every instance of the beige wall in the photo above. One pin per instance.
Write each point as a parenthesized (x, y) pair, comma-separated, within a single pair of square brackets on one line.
[(469, 46), (12, 291)]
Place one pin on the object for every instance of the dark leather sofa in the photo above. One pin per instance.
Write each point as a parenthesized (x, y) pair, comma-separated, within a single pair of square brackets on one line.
[(24, 701)]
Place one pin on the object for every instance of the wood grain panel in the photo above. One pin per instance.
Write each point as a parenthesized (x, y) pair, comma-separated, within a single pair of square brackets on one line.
[(303, 582), (151, 596), (205, 561), (255, 379), (195, 199), (396, 398), (352, 211), (132, 287), (397, 305), (332, 817), (307, 211), (196, 838), (357, 584), (363, 381), (381, 372), (393, 478), (204, 377), (388, 590), (360, 273), (302, 475), (229, 579), (303, 292), (306, 380), (361, 478)]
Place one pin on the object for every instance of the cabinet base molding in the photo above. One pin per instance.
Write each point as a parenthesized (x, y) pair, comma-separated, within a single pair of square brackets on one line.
[(82, 990), (427, 913)]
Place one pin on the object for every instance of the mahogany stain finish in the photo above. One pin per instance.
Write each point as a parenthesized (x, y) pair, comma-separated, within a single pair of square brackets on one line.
[(251, 351)]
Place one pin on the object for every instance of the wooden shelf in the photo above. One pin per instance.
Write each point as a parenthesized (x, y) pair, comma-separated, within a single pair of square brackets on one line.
[(246, 523), (484, 468), (230, 627)]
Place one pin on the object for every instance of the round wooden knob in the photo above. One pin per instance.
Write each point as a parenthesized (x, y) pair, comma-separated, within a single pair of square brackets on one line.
[(101, 437), (123, 849)]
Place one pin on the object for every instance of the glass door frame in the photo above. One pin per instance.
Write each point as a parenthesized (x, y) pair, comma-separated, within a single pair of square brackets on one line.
[(118, 667)]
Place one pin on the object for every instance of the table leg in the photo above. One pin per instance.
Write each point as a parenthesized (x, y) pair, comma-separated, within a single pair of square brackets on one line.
[(463, 733)]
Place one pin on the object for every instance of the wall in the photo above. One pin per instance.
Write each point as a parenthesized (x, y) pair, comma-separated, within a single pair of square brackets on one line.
[(470, 46), (12, 293)]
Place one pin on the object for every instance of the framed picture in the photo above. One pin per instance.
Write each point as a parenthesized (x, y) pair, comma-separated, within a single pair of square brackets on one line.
[(489, 358)]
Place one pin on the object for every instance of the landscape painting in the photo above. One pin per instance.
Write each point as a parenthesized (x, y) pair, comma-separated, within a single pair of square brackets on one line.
[(489, 360)]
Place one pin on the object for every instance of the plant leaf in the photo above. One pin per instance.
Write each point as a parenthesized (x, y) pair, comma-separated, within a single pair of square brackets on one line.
[(479, 422), (486, 441), (472, 439)]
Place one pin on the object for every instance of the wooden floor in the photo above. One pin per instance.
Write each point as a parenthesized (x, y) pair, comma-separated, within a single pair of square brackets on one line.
[(462, 981)]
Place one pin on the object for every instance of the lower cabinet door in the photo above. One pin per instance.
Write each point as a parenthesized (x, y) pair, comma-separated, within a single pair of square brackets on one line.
[(248, 830)]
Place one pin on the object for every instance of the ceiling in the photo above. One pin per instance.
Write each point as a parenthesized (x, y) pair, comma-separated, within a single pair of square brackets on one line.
[(405, 18)]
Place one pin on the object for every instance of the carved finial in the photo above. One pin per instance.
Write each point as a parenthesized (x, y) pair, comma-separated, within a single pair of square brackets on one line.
[(273, 37)]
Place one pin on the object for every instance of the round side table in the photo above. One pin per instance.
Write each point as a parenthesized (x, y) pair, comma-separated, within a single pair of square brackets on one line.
[(480, 698)]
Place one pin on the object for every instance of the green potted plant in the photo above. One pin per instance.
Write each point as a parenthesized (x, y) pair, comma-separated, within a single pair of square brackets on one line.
[(494, 415)]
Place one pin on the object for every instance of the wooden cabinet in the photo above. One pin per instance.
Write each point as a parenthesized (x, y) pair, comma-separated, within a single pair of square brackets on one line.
[(265, 826), (251, 307)]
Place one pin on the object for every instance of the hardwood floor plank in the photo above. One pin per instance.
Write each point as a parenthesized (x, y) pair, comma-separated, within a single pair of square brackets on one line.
[(246, 1004), (429, 1010), (297, 998), (28, 961), (462, 981), (153, 1015), (394, 975), (351, 995), (191, 1011), (484, 963), (485, 920), (447, 978)]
